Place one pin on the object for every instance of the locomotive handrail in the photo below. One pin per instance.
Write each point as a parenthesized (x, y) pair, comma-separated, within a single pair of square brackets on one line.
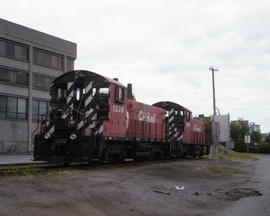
[(32, 135)]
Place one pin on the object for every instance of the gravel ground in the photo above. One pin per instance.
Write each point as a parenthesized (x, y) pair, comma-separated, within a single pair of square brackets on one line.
[(132, 189)]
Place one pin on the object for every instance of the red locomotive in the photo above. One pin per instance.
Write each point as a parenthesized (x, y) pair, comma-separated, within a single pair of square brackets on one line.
[(93, 117)]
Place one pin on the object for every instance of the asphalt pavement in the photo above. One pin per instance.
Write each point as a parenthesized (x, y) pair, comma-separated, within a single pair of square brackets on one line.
[(16, 159), (255, 205)]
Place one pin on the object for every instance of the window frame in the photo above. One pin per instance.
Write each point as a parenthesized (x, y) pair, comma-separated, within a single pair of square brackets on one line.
[(12, 55), (14, 115), (37, 116), (45, 58), (117, 94)]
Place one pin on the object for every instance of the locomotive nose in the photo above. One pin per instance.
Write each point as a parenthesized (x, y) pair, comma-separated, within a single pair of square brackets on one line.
[(59, 146)]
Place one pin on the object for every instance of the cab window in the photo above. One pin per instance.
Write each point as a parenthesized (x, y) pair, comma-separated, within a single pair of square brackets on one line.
[(61, 94), (104, 90), (119, 94), (187, 116)]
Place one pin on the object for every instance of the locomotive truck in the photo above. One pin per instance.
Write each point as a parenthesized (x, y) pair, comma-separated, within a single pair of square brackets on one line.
[(95, 118)]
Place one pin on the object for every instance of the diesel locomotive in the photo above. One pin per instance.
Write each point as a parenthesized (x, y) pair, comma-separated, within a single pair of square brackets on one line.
[(95, 118)]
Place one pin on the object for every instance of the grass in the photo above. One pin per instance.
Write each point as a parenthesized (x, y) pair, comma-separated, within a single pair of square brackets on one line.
[(243, 156), (30, 169), (224, 154), (225, 170)]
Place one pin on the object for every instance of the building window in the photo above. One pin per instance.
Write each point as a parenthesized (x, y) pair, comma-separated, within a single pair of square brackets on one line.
[(21, 52), (39, 108), (10, 49), (13, 50), (48, 59), (22, 108), (70, 64), (54, 61), (13, 76), (42, 82), (13, 107), (2, 48), (3, 107), (35, 110), (21, 78), (47, 84), (43, 107), (38, 81), (5, 75), (16, 108)]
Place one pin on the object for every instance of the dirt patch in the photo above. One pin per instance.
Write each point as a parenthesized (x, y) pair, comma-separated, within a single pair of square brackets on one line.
[(238, 193), (184, 187)]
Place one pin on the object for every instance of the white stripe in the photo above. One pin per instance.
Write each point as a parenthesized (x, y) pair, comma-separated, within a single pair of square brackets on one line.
[(94, 117), (51, 130), (88, 100), (100, 130), (177, 134), (86, 115), (88, 112), (69, 85), (80, 125), (89, 87), (170, 120), (69, 97), (171, 111), (92, 125), (64, 115)]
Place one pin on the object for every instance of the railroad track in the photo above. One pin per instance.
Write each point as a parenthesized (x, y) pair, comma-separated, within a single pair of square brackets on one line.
[(46, 168), (26, 169)]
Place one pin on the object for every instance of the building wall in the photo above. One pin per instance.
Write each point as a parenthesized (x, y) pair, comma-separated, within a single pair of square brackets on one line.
[(29, 61), (254, 127)]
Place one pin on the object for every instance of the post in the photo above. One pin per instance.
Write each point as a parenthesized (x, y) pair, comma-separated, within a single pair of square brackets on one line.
[(247, 141), (214, 127)]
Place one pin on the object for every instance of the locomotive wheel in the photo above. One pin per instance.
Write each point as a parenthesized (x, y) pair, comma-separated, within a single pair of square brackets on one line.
[(66, 163), (122, 156)]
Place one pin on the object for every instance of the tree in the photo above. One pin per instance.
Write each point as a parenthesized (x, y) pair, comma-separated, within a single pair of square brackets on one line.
[(238, 131), (267, 139), (256, 137), (208, 129)]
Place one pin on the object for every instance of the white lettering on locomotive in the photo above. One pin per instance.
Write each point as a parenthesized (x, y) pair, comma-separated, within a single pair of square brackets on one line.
[(118, 109), (146, 116), (196, 128)]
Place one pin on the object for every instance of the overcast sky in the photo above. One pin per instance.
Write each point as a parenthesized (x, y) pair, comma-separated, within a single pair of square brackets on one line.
[(165, 48)]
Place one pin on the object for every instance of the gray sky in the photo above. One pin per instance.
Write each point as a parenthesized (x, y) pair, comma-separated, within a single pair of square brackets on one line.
[(165, 48)]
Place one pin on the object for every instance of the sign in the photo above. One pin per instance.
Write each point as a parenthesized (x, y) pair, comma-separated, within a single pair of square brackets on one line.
[(223, 127), (230, 145), (247, 138)]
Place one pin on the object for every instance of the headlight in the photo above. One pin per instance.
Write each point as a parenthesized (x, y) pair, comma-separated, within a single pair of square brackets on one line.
[(47, 136), (73, 136)]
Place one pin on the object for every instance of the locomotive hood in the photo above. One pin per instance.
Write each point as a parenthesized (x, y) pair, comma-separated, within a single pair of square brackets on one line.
[(85, 75)]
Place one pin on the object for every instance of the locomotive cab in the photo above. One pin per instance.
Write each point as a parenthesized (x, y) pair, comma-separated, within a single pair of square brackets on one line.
[(79, 105)]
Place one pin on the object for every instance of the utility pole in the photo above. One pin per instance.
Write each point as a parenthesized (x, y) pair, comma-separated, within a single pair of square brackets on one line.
[(214, 92), (214, 127)]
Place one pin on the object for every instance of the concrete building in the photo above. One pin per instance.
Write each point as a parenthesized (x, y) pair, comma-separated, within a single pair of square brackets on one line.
[(29, 61), (244, 122), (254, 127)]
